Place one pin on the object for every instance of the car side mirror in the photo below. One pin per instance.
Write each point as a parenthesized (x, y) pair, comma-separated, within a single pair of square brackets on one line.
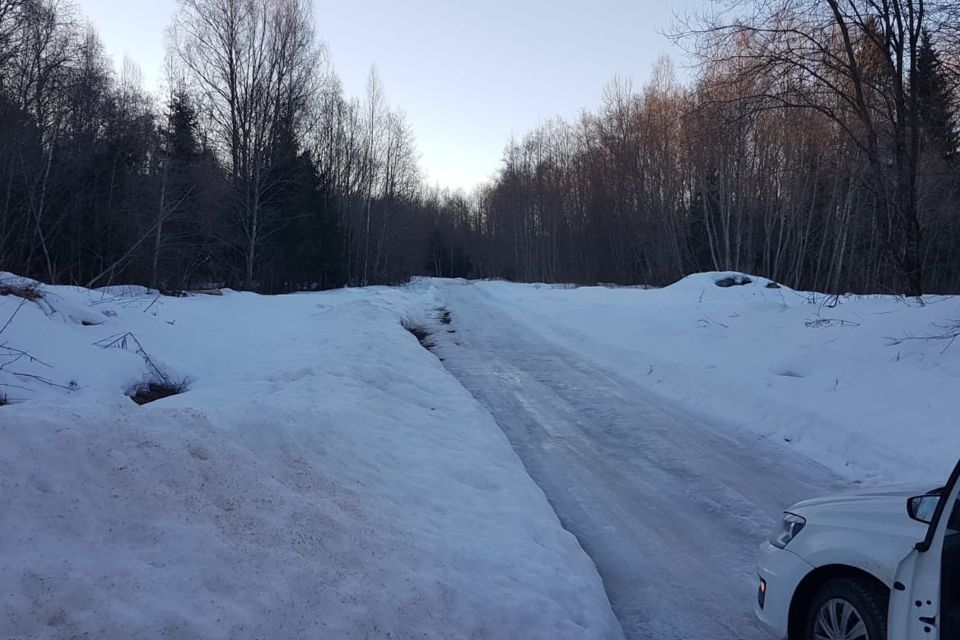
[(922, 508)]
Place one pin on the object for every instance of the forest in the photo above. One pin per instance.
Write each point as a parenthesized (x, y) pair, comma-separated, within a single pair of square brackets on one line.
[(815, 143)]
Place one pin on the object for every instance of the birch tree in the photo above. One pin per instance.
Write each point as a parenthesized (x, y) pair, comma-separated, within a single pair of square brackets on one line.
[(254, 63)]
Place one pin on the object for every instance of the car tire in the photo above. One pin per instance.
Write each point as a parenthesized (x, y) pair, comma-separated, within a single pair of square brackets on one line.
[(867, 600)]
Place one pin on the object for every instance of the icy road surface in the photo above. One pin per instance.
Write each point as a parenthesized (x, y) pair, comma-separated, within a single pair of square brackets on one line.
[(669, 507)]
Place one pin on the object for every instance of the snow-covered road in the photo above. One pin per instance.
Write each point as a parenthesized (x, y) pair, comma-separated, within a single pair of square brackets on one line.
[(670, 507)]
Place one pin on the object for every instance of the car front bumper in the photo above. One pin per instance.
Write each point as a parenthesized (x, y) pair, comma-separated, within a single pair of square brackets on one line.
[(781, 571)]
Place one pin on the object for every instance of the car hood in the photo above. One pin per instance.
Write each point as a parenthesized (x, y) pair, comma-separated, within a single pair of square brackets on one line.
[(882, 509)]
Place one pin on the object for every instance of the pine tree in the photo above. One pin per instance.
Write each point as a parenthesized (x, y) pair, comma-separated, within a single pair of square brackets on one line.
[(937, 112), (176, 233), (304, 251), (182, 144)]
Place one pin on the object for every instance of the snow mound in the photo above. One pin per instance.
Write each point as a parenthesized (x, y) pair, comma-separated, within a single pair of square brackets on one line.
[(323, 477), (727, 287), (849, 380)]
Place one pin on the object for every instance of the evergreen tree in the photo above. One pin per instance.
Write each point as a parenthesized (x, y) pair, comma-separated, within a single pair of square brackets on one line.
[(181, 133), (306, 249), (937, 112), (177, 231)]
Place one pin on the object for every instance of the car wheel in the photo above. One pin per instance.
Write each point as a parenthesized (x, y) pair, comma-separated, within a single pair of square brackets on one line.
[(848, 609)]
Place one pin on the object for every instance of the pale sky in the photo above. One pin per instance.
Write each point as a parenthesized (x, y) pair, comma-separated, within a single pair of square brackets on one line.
[(468, 74)]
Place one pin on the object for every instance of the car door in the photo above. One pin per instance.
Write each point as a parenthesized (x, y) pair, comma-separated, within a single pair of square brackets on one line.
[(923, 602)]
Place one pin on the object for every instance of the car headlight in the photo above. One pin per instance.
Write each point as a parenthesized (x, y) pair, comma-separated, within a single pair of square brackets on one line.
[(787, 530)]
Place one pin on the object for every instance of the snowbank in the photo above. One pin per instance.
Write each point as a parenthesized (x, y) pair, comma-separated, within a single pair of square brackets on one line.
[(323, 477), (831, 377)]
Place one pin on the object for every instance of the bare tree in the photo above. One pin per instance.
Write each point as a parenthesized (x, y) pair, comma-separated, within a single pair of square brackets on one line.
[(855, 63), (255, 63), (11, 32)]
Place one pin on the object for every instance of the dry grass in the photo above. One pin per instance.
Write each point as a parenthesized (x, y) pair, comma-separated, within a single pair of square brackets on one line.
[(27, 291)]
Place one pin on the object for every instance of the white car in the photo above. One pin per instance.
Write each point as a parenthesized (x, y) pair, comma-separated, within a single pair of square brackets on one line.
[(870, 565)]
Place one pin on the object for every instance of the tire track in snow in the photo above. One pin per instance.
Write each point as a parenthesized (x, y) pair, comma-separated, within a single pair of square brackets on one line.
[(670, 507)]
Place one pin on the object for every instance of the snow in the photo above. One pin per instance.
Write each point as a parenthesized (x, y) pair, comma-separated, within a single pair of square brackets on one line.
[(669, 506), (323, 476), (831, 378)]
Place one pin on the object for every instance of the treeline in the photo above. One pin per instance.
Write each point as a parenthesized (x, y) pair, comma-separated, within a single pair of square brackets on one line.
[(817, 145), (255, 171)]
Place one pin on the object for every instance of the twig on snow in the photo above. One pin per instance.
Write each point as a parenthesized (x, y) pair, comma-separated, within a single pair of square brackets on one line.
[(46, 381), (13, 315), (120, 341), (816, 323), (707, 321), (950, 335), (20, 353)]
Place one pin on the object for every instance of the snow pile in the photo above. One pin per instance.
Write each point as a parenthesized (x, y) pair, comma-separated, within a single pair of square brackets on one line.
[(322, 477), (833, 378)]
